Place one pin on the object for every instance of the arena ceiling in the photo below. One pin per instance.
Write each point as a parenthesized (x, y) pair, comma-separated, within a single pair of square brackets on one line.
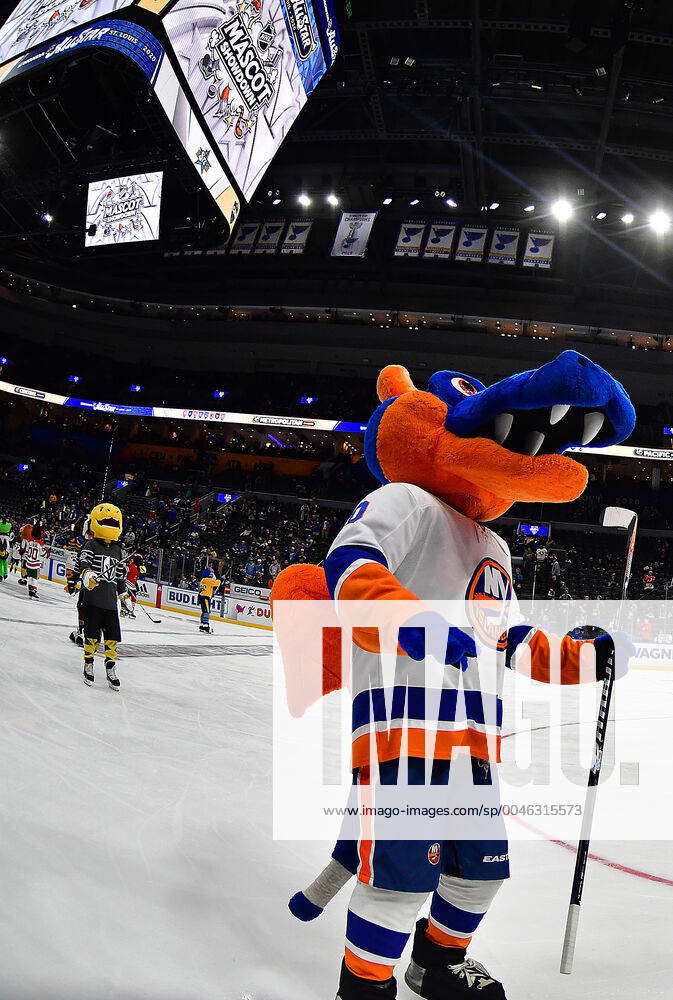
[(505, 101)]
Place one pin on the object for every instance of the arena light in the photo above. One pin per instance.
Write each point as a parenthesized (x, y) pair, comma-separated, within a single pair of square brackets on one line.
[(601, 215), (276, 201), (22, 467), (74, 378), (529, 208), (220, 393), (494, 205), (304, 200), (47, 217), (4, 361), (136, 388), (307, 400), (332, 199), (562, 210), (414, 201), (452, 203), (659, 221), (627, 218), (387, 200)]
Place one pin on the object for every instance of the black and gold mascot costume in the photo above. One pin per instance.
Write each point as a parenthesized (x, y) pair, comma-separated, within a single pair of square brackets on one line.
[(101, 570)]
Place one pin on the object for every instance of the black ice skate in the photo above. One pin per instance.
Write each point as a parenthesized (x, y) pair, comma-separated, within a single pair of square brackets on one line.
[(76, 637), (353, 988), (32, 594), (437, 973), (112, 678), (206, 629), (88, 672)]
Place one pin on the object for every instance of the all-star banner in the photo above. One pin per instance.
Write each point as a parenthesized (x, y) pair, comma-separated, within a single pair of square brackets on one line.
[(269, 237), (296, 236), (329, 29), (147, 52), (440, 240), (472, 244), (539, 250), (352, 234), (410, 238), (504, 244), (244, 238)]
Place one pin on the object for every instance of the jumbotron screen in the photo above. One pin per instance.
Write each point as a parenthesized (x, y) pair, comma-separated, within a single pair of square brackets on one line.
[(35, 21), (123, 210), (251, 66)]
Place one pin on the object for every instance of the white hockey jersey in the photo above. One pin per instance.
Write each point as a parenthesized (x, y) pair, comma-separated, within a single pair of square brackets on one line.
[(438, 555)]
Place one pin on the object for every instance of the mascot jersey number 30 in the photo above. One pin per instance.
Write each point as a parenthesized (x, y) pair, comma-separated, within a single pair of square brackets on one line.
[(449, 459)]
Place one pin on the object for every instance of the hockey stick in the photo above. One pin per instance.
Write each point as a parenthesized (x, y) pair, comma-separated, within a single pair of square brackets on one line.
[(155, 621), (623, 518)]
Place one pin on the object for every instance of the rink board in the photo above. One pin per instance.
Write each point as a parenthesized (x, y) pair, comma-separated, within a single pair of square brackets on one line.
[(233, 610), (250, 606)]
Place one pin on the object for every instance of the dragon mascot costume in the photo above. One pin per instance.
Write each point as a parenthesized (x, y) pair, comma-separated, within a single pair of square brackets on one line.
[(448, 459)]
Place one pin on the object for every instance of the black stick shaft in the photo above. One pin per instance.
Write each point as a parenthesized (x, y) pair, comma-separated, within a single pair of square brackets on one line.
[(572, 920)]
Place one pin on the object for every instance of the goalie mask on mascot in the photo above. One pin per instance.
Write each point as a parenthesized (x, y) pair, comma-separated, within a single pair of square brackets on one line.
[(449, 459)]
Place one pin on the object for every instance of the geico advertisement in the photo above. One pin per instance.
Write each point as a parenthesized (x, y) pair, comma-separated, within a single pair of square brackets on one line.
[(173, 598), (259, 614), (249, 592)]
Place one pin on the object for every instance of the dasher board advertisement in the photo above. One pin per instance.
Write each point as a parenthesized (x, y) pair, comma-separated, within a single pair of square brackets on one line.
[(251, 66)]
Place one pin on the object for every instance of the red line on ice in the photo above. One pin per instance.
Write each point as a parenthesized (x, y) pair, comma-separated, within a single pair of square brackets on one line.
[(593, 857)]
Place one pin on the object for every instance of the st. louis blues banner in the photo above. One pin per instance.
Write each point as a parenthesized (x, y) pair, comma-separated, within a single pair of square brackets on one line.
[(504, 243), (269, 237), (245, 237), (409, 239), (471, 244), (296, 236), (440, 240), (352, 234), (539, 250)]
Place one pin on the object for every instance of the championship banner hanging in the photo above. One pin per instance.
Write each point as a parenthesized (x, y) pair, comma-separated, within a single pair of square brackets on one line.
[(472, 244), (504, 244), (352, 234), (409, 239), (245, 237), (440, 240), (539, 250), (269, 237), (296, 236)]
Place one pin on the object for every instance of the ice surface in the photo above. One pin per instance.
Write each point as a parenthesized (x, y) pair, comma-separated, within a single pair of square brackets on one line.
[(135, 845)]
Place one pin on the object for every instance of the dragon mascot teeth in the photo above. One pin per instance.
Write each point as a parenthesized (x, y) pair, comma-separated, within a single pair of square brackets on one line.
[(448, 460)]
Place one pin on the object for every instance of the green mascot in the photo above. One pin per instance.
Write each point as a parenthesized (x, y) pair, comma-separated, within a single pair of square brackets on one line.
[(6, 538)]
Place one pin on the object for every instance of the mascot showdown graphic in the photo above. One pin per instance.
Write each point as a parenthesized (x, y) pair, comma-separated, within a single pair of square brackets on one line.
[(124, 210), (242, 65)]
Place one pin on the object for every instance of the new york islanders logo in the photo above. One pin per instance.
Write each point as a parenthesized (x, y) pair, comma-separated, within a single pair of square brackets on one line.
[(434, 853), (487, 598)]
